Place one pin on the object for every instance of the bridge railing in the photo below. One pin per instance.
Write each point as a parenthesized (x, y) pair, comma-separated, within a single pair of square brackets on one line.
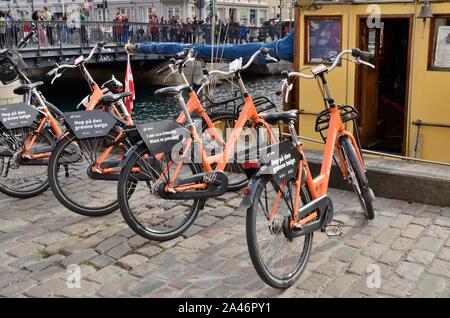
[(62, 33)]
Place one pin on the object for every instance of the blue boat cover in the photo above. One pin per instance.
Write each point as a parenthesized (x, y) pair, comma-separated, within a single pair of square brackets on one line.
[(282, 49)]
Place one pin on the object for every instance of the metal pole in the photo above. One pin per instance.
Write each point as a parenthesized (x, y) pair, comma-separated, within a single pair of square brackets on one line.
[(213, 26), (104, 10), (280, 10)]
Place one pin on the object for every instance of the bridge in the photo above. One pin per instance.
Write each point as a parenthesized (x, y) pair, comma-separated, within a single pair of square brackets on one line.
[(58, 41)]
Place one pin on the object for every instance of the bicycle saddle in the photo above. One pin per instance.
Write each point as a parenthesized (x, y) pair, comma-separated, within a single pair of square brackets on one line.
[(25, 88), (170, 92), (112, 98), (284, 116)]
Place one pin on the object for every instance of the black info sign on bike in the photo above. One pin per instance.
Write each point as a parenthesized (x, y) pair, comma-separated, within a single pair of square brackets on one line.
[(90, 124), (282, 160), (161, 136), (17, 115)]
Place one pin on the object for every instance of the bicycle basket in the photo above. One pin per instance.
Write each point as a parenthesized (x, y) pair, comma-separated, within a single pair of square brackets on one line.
[(10, 63), (235, 104)]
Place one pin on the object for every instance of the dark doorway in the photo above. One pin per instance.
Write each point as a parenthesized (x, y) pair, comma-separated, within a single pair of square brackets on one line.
[(382, 93)]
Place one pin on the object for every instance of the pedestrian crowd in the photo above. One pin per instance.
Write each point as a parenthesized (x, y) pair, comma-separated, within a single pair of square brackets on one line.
[(194, 30), (158, 29)]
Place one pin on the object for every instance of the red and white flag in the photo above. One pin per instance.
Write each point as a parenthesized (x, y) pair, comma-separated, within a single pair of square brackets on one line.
[(129, 87)]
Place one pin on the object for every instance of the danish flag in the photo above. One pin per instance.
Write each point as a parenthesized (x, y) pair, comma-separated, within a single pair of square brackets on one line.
[(129, 87)]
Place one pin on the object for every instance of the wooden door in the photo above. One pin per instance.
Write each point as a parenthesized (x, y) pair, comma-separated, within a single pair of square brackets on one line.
[(368, 85)]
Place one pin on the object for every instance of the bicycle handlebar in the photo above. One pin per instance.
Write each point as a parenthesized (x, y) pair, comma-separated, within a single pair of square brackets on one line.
[(99, 45), (172, 61), (181, 58), (25, 40), (359, 53), (78, 61), (262, 51), (356, 53)]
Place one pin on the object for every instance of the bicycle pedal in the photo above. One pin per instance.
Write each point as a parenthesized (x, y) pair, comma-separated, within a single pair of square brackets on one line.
[(333, 230)]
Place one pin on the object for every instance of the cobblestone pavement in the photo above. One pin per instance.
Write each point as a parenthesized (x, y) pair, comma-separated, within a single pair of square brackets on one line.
[(407, 244)]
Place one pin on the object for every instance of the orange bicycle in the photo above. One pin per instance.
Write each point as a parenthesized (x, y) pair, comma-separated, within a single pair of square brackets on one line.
[(285, 205), (25, 145), (83, 172), (90, 161), (160, 199)]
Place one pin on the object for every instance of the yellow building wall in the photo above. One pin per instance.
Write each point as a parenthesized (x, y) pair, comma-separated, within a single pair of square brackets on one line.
[(429, 90)]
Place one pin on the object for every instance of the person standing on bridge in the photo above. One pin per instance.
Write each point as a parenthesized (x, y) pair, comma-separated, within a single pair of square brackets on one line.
[(2, 30), (42, 37), (47, 16), (126, 29), (154, 28), (11, 28), (83, 33), (118, 28), (189, 31), (165, 30)]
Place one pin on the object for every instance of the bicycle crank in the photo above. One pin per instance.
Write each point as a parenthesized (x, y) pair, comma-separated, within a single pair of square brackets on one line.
[(217, 182), (322, 205)]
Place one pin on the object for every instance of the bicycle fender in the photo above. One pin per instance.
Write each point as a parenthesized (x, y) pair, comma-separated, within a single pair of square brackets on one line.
[(249, 195), (130, 151)]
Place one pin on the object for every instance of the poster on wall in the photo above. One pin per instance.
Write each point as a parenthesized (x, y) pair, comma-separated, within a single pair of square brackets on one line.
[(324, 38), (442, 55)]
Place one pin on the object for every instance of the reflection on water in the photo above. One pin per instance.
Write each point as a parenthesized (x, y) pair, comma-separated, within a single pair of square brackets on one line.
[(147, 107)]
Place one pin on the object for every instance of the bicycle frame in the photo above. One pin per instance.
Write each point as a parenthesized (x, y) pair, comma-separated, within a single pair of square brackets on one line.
[(249, 112), (48, 117), (193, 105), (94, 98), (318, 186)]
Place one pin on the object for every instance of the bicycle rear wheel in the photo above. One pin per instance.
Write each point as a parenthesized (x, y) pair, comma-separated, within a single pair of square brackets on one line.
[(76, 184), (277, 260), (21, 177), (358, 178), (142, 208)]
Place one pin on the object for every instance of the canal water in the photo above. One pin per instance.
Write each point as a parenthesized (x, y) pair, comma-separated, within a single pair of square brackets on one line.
[(67, 94)]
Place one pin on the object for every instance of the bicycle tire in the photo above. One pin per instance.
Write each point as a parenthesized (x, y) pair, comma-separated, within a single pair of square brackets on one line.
[(129, 216), (62, 196), (361, 187), (254, 247), (43, 183)]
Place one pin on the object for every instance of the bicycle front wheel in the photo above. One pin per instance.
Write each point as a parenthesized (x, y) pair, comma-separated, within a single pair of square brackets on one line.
[(277, 260), (23, 177), (76, 182), (142, 208), (358, 178)]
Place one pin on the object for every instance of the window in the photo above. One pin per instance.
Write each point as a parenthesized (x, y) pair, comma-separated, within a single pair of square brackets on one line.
[(439, 55), (323, 37), (244, 15), (252, 16), (100, 14), (127, 13), (221, 13), (262, 16), (175, 11)]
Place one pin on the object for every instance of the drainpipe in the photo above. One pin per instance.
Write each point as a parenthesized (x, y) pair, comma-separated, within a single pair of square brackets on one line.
[(411, 77), (349, 10)]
